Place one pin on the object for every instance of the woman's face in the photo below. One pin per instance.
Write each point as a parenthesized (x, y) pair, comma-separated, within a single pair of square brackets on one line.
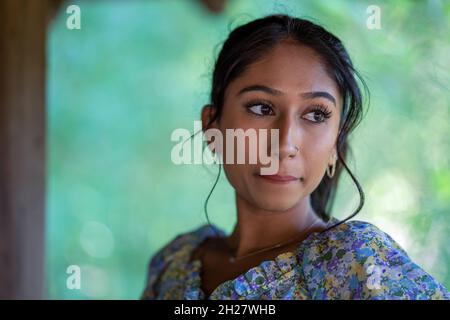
[(292, 89)]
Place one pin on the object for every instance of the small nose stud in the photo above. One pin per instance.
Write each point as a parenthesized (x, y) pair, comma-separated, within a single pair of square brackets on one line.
[(297, 150)]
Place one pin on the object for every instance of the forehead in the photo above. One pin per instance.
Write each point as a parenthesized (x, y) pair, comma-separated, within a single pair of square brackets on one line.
[(289, 67)]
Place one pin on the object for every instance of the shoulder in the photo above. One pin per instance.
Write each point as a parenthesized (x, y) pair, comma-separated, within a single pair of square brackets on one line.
[(370, 264), (363, 235), (173, 250), (360, 239)]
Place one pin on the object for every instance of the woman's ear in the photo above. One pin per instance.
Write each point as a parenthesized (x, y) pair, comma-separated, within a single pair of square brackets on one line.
[(207, 115), (208, 112)]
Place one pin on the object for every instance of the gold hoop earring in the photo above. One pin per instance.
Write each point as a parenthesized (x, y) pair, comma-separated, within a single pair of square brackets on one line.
[(333, 168)]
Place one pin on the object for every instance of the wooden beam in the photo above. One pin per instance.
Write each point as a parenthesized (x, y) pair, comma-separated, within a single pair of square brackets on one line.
[(22, 148)]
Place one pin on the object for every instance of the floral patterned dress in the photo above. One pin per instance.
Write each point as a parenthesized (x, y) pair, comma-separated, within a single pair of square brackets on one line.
[(354, 260)]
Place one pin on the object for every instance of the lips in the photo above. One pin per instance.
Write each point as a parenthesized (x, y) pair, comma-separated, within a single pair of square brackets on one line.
[(276, 178)]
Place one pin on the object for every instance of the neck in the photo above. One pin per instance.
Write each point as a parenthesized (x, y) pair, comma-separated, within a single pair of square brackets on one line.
[(257, 228)]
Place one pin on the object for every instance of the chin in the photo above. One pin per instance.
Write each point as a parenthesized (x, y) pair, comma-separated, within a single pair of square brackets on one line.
[(276, 203)]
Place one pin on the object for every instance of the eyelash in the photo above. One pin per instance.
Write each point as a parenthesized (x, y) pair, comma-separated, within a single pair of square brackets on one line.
[(316, 108), (323, 110)]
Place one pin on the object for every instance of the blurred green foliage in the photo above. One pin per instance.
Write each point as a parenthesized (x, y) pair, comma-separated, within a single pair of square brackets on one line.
[(137, 70)]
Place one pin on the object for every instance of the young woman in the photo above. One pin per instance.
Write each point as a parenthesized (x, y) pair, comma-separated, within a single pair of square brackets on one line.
[(281, 72)]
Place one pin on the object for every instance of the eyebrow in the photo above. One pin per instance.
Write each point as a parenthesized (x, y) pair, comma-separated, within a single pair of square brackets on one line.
[(275, 92)]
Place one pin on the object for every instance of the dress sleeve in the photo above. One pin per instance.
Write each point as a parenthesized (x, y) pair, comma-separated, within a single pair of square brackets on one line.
[(380, 269), (156, 267)]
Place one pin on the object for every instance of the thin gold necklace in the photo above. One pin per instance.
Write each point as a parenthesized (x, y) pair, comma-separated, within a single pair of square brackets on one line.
[(233, 258)]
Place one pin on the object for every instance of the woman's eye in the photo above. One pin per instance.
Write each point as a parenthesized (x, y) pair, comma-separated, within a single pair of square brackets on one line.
[(318, 116), (261, 109)]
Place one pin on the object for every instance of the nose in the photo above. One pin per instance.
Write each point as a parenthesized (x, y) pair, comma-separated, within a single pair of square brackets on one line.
[(288, 137)]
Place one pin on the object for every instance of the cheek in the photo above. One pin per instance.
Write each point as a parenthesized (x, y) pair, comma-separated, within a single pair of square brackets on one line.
[(244, 143), (316, 155), (236, 175)]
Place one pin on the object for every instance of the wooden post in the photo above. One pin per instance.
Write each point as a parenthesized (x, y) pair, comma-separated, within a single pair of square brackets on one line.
[(22, 147), (23, 25)]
